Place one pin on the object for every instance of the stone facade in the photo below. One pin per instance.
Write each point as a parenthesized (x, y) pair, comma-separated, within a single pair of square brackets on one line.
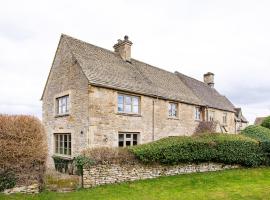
[(106, 122), (66, 77), (115, 173), (93, 119)]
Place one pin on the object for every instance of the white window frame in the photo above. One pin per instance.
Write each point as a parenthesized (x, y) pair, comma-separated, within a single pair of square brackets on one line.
[(63, 144), (198, 113), (132, 105), (130, 139), (62, 105), (170, 109)]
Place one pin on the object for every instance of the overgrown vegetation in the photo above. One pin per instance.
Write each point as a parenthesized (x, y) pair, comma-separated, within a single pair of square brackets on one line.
[(23, 148), (222, 148), (266, 122), (106, 155), (206, 127)]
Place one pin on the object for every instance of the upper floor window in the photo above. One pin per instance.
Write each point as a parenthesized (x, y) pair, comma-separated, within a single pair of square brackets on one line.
[(127, 139), (224, 118), (128, 104), (63, 143), (211, 116), (197, 113), (172, 110), (62, 105)]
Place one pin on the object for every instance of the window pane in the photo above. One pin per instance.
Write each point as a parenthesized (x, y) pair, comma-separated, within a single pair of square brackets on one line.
[(134, 143), (134, 136), (135, 101), (128, 135), (120, 107), (127, 108), (135, 109), (121, 137), (128, 100), (120, 99), (121, 144), (128, 143)]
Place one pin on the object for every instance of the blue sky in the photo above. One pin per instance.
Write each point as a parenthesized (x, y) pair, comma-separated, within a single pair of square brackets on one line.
[(228, 38)]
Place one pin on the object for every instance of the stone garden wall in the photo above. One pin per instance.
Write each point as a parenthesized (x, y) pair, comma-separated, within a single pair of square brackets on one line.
[(115, 173)]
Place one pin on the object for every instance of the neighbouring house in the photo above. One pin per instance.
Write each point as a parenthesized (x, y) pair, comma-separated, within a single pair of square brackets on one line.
[(259, 120), (96, 97), (240, 121)]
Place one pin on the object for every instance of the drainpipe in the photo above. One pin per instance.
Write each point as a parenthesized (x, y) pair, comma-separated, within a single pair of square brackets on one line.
[(153, 121)]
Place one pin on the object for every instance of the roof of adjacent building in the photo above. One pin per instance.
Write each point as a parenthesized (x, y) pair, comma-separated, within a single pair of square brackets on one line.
[(259, 120), (239, 115), (106, 68)]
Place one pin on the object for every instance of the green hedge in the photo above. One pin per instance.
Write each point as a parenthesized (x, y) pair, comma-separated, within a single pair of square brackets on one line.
[(266, 122), (222, 148), (260, 134)]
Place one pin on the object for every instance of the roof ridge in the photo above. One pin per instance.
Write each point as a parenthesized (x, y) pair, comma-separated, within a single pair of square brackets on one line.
[(110, 51), (87, 43)]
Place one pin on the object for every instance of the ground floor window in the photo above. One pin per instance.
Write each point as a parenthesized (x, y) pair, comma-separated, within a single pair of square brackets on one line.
[(127, 139), (63, 143)]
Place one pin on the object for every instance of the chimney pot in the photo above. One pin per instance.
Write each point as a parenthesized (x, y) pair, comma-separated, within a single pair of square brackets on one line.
[(209, 79), (123, 48)]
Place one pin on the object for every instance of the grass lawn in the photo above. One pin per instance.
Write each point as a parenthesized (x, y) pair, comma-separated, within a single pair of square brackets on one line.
[(231, 184)]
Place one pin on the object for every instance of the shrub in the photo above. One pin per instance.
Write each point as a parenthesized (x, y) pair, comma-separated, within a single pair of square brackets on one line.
[(222, 148), (260, 134), (82, 161), (7, 180), (106, 155), (266, 122), (206, 127), (23, 148)]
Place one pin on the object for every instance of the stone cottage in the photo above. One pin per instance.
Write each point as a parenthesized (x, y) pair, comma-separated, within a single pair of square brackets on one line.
[(96, 97)]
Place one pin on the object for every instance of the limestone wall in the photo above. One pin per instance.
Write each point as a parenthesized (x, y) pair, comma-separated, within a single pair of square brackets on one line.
[(106, 122), (66, 77), (116, 173)]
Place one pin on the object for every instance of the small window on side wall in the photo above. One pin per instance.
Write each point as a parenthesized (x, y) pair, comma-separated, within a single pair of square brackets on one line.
[(62, 105), (197, 113), (172, 109), (127, 139)]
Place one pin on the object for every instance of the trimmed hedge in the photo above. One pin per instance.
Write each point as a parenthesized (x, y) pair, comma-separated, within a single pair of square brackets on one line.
[(266, 122), (221, 148), (260, 134)]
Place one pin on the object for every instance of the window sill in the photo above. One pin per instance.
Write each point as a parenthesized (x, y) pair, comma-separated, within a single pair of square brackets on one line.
[(61, 115), (198, 120), (64, 157), (173, 118), (129, 114)]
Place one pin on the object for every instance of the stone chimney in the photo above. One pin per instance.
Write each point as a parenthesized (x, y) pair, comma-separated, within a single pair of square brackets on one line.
[(209, 79), (123, 48)]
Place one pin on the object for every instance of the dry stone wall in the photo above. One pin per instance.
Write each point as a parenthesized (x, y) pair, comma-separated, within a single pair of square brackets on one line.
[(115, 173), (30, 189)]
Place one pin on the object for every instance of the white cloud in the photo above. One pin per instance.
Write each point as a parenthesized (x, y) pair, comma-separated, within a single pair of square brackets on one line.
[(229, 38)]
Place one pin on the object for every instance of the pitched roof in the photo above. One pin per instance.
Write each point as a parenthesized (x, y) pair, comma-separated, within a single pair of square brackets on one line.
[(106, 68), (239, 115), (209, 96)]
